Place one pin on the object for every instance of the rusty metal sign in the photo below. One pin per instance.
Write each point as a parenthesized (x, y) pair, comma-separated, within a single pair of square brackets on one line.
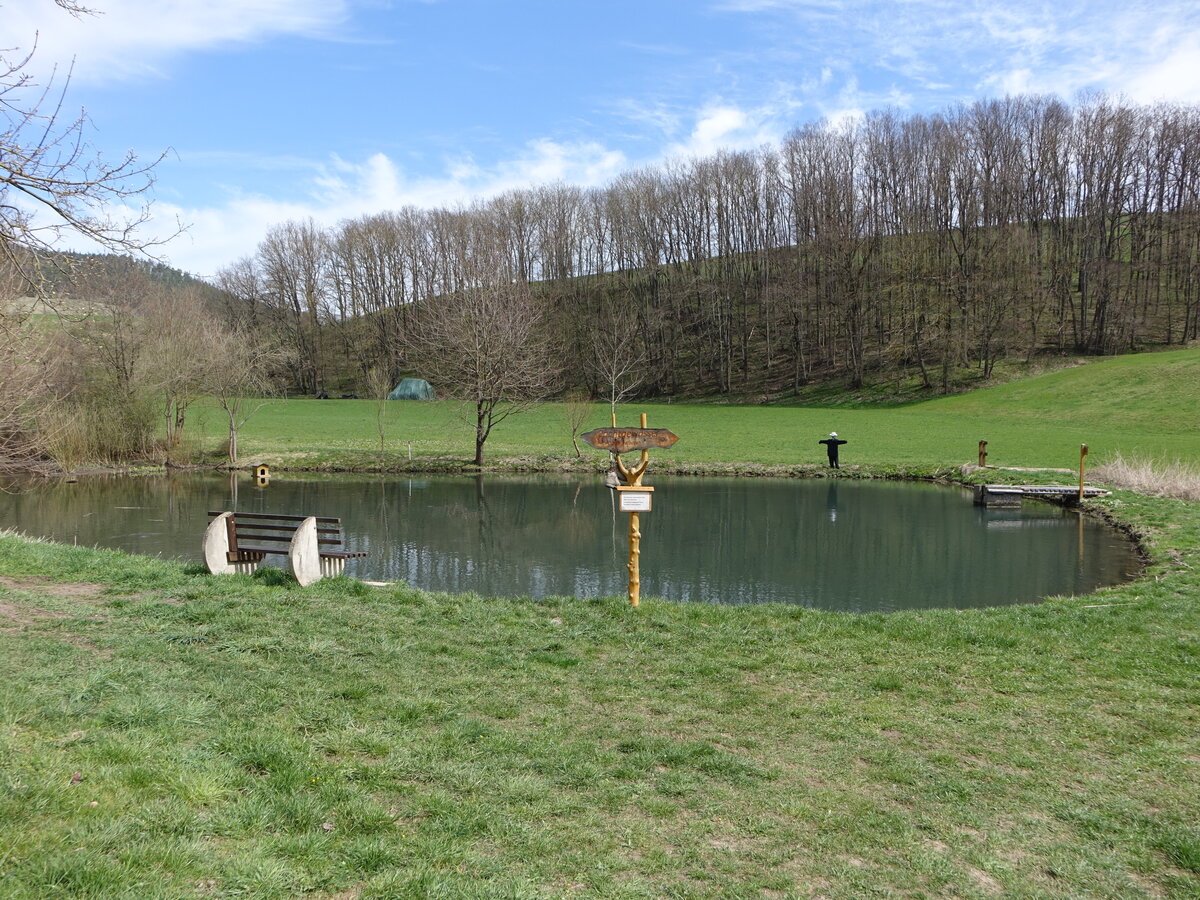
[(623, 440)]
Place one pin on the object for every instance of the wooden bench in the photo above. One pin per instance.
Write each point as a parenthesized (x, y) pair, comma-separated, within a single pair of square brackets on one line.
[(314, 545)]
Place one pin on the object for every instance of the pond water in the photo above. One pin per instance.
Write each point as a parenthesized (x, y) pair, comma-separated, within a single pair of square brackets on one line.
[(834, 544)]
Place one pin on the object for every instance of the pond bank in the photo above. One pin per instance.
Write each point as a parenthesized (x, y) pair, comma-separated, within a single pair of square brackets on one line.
[(197, 735)]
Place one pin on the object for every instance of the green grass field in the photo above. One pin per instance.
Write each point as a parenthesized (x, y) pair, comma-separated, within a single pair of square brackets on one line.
[(169, 734), (1145, 405)]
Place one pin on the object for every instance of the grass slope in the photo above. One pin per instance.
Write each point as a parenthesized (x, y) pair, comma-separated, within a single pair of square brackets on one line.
[(1138, 405)]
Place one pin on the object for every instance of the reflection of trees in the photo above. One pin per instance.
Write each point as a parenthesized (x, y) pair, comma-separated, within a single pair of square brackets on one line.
[(705, 540)]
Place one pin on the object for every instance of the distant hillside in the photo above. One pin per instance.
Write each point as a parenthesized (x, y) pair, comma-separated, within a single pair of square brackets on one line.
[(62, 274), (1153, 391)]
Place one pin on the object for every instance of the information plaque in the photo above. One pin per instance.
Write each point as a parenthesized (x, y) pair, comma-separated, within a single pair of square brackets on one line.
[(634, 499)]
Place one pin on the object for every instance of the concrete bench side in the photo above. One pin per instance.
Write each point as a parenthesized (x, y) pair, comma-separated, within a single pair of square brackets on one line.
[(216, 546), (304, 553), (216, 550)]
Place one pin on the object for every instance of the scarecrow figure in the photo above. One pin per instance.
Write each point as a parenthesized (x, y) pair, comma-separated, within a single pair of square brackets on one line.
[(831, 446)]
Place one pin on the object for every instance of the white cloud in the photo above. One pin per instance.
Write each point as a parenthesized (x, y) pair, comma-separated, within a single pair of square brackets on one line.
[(219, 234), (1173, 72), (132, 38), (1145, 51), (723, 126)]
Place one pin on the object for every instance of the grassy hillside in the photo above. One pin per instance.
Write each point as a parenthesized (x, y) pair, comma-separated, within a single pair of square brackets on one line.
[(1159, 392), (1138, 405)]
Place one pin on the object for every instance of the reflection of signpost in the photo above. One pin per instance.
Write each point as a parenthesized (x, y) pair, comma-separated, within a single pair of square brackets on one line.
[(635, 498)]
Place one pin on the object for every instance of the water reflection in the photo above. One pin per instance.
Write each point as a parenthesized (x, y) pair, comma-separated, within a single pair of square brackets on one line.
[(834, 544)]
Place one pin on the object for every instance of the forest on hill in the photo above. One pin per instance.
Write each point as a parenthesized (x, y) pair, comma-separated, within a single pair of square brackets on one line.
[(890, 245), (79, 275)]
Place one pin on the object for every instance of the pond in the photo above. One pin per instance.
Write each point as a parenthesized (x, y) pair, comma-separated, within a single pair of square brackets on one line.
[(835, 544)]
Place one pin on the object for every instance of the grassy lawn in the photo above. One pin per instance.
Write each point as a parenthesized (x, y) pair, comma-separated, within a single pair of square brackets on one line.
[(1143, 405), (165, 733)]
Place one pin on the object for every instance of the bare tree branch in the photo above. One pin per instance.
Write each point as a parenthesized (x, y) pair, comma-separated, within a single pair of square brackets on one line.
[(487, 348), (52, 182)]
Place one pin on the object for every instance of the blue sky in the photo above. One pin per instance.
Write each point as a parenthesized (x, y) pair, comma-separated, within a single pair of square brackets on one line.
[(330, 109)]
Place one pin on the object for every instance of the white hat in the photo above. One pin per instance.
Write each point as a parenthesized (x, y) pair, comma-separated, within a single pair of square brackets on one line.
[(833, 434)]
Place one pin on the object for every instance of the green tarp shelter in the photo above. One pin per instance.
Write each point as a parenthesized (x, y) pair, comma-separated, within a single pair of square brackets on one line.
[(412, 389)]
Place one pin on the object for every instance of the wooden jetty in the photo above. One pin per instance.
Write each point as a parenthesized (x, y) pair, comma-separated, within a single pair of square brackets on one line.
[(1011, 494)]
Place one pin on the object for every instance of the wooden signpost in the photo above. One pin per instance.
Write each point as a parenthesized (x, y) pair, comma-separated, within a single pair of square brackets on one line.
[(635, 497), (622, 440)]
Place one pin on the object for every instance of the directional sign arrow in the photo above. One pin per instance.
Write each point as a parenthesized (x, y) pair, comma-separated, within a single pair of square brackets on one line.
[(622, 440)]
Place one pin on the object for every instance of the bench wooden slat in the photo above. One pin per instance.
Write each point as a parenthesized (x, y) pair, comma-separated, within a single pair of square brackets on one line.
[(324, 533), (327, 537), (286, 518), (323, 542)]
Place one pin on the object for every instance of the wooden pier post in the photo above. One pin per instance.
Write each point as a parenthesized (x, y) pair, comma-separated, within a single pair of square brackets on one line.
[(1083, 452)]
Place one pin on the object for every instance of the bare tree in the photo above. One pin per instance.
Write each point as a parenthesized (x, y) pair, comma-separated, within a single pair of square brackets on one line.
[(294, 259), (52, 183), (29, 387), (617, 356), (577, 407), (180, 356), (486, 347), (241, 376), (51, 180), (378, 384)]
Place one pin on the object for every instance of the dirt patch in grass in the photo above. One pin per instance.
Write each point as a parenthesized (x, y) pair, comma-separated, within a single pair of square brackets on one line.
[(75, 590), (85, 591), (15, 618), (984, 881)]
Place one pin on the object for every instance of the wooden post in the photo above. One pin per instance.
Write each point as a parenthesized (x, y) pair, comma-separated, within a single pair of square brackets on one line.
[(635, 541), (636, 495), (982, 454), (633, 477), (1083, 452)]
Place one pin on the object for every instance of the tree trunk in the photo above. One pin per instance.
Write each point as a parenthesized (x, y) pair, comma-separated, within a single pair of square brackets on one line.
[(233, 448)]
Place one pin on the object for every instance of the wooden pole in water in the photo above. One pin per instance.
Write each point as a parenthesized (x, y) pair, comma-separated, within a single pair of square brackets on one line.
[(1083, 452)]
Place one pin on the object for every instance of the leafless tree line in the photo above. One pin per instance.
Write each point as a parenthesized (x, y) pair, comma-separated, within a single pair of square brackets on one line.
[(114, 378), (923, 244)]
